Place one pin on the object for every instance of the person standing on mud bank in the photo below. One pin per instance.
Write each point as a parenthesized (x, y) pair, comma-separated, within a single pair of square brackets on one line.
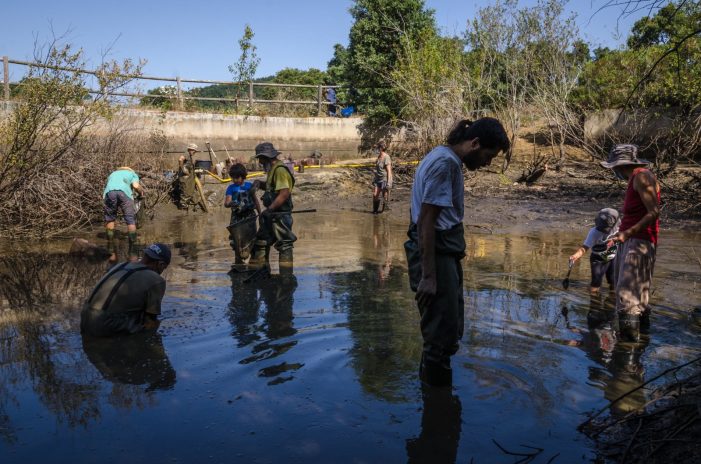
[(636, 238), (241, 198), (119, 196), (436, 242), (128, 297), (603, 253), (276, 220), (382, 182)]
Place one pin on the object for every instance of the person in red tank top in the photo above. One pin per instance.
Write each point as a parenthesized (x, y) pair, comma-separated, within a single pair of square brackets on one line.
[(636, 238)]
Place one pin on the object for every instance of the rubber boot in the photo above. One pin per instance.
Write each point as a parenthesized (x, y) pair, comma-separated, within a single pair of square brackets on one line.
[(259, 255), (132, 237), (629, 327), (375, 206), (286, 257), (110, 234), (645, 320)]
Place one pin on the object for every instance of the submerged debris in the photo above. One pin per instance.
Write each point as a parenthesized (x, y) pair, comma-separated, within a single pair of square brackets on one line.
[(666, 429)]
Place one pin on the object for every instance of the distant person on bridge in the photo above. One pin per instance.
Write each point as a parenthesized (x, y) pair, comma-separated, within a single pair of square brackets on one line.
[(382, 182), (436, 242), (118, 196), (330, 94), (636, 238), (276, 220)]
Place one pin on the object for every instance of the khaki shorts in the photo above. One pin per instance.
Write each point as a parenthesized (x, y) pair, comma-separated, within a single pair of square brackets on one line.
[(635, 262)]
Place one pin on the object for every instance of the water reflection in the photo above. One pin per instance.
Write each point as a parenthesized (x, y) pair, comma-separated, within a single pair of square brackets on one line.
[(620, 362), (320, 364), (440, 428), (382, 246), (383, 324), (40, 294), (138, 359), (261, 314)]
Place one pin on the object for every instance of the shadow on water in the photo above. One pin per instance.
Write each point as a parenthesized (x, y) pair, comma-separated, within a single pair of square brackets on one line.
[(319, 363)]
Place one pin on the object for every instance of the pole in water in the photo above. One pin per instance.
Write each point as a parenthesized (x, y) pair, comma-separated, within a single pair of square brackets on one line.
[(566, 282)]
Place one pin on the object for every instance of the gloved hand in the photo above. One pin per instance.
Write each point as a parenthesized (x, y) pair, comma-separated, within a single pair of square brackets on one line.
[(266, 213)]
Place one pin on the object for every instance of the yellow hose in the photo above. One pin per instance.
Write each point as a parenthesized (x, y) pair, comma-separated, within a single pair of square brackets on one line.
[(326, 166)]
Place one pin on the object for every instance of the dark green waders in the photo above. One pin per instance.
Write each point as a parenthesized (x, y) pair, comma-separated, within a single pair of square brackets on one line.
[(442, 323)]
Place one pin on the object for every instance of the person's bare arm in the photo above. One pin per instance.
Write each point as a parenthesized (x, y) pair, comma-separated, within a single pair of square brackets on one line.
[(390, 175), (646, 186), (256, 202), (579, 253), (136, 186), (426, 291)]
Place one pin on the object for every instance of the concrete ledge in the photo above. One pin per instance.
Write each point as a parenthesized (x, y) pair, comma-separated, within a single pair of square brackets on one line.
[(336, 138)]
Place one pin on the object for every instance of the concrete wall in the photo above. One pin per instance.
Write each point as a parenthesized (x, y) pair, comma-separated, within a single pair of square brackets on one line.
[(633, 124), (336, 138)]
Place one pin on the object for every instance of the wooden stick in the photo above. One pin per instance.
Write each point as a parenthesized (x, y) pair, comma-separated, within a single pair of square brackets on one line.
[(671, 369)]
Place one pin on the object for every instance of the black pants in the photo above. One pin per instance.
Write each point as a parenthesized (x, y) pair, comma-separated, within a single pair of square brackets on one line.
[(442, 323), (599, 269)]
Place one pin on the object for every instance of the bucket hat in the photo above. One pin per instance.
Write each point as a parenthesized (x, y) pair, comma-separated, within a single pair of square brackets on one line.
[(266, 150), (158, 251), (192, 146), (624, 155)]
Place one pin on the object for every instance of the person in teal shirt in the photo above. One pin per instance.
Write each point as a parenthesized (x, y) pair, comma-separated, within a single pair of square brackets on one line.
[(119, 196)]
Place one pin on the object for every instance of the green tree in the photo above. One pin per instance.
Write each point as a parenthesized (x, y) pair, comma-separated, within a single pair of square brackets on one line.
[(244, 70), (164, 97), (375, 41), (40, 140), (670, 24), (432, 88), (337, 74)]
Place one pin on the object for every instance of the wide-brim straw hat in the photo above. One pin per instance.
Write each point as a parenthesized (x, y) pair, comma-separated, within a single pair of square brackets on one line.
[(193, 147), (624, 155)]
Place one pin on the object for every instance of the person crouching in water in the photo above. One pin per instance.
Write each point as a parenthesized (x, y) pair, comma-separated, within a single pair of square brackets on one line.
[(603, 251), (241, 198), (276, 220), (128, 297)]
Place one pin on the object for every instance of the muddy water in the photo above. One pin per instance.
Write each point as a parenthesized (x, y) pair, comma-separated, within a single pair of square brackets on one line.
[(320, 364)]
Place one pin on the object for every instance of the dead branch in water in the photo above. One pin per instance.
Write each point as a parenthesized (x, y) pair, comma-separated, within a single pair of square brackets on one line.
[(671, 417)]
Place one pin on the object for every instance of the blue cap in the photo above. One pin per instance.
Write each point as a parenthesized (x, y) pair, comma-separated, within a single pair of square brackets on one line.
[(158, 251)]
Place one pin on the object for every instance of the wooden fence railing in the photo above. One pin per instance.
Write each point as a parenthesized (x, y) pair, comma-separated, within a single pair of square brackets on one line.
[(180, 97)]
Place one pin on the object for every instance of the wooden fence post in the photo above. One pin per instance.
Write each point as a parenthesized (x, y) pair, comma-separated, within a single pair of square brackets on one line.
[(318, 99), (179, 92), (250, 94), (6, 76)]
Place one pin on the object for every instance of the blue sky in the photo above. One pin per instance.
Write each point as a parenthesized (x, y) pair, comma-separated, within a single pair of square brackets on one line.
[(199, 39)]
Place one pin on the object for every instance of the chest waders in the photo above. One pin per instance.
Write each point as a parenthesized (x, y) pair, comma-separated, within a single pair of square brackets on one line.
[(117, 322), (442, 321), (275, 229)]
